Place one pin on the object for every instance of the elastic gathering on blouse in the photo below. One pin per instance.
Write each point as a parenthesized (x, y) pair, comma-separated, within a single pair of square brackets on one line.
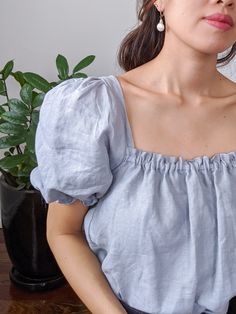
[(171, 163)]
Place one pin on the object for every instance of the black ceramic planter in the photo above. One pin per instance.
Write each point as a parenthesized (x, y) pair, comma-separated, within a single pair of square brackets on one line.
[(24, 228)]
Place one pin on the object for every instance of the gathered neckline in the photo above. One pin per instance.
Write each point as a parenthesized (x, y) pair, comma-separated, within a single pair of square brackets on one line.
[(169, 158)]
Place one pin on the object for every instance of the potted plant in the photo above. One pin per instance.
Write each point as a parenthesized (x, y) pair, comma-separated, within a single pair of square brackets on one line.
[(23, 209)]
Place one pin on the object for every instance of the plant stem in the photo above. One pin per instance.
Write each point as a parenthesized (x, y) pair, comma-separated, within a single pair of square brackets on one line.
[(19, 149), (5, 86)]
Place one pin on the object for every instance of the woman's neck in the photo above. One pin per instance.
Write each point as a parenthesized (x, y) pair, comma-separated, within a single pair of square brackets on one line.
[(187, 73)]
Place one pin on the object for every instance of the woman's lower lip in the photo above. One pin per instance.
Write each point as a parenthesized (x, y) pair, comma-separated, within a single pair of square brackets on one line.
[(219, 25)]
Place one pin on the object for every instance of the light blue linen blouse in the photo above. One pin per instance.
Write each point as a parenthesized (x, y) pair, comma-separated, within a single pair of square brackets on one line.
[(163, 227)]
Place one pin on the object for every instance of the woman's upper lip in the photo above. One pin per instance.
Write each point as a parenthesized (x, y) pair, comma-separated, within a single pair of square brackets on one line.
[(221, 18)]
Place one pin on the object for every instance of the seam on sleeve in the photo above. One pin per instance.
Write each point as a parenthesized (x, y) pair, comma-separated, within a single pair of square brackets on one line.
[(119, 164), (123, 157)]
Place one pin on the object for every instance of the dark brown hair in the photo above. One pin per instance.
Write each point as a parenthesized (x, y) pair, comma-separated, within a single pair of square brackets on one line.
[(145, 42)]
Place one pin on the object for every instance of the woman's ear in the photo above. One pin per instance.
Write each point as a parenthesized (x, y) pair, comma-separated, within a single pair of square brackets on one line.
[(159, 4)]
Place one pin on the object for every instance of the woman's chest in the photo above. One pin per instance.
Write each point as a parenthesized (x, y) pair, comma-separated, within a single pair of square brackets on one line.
[(167, 127)]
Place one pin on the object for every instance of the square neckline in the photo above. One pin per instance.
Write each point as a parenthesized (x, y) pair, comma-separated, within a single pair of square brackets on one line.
[(167, 157)]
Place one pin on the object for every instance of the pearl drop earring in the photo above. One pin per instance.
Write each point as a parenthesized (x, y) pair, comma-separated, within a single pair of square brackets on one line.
[(160, 25)]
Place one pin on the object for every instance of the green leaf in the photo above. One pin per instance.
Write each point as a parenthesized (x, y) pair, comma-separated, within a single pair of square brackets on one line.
[(7, 154), (30, 140), (37, 81), (35, 117), (2, 87), (13, 172), (24, 172), (26, 93), (32, 156), (83, 63), (53, 84), (7, 69), (12, 150), (5, 104), (12, 161), (2, 109), (14, 117), (8, 141), (21, 186), (18, 106), (34, 94), (9, 128), (38, 100), (79, 74), (62, 67), (18, 76)]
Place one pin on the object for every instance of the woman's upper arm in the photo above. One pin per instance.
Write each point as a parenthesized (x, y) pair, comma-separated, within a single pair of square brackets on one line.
[(64, 218)]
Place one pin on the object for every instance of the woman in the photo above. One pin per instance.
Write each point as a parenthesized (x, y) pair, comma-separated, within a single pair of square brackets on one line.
[(152, 154)]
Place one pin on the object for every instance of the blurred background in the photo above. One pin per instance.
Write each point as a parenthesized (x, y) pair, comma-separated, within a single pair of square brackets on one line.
[(34, 32)]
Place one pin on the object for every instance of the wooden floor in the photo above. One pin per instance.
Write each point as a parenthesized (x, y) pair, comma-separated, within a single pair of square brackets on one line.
[(17, 301)]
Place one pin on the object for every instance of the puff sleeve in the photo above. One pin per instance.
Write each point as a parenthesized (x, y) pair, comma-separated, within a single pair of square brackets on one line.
[(72, 143)]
